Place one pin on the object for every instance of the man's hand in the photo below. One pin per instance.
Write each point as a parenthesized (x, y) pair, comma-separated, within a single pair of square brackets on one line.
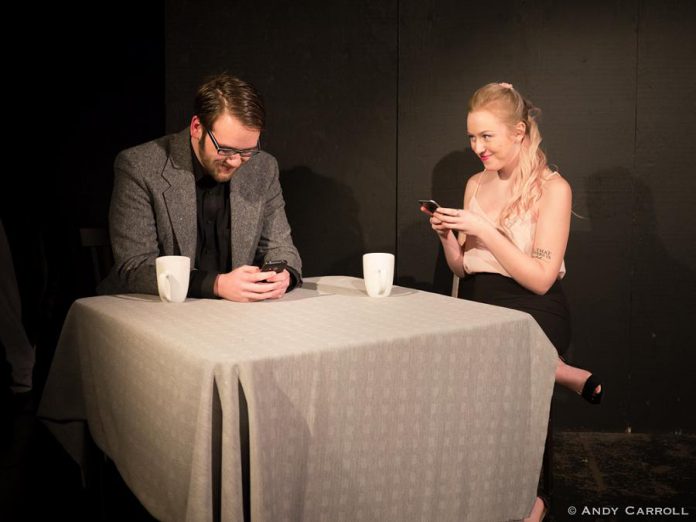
[(247, 283)]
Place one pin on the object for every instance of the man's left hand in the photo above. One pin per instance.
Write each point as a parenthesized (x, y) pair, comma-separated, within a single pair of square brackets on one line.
[(284, 279)]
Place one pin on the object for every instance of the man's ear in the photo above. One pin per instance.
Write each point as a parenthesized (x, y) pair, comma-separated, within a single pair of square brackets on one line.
[(196, 128)]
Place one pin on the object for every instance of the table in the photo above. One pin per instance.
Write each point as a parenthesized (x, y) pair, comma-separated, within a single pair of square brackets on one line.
[(416, 406)]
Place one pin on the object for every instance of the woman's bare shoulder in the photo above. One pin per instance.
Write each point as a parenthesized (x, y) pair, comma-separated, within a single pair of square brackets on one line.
[(555, 186), (471, 185)]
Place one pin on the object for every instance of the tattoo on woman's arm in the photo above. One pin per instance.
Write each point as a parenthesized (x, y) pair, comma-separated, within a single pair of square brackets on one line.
[(540, 253)]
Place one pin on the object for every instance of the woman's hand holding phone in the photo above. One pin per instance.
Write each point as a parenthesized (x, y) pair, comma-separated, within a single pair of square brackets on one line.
[(428, 206), (462, 220)]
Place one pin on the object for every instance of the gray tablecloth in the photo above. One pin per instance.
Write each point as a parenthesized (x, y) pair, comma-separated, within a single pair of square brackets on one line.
[(412, 407)]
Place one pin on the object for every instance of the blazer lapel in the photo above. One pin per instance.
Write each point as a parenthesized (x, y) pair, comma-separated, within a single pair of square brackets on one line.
[(180, 196)]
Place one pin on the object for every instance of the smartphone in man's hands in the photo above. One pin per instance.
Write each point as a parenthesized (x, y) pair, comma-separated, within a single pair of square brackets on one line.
[(275, 266)]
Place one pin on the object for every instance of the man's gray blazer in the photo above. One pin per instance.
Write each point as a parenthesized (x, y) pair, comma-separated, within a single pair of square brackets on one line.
[(153, 213)]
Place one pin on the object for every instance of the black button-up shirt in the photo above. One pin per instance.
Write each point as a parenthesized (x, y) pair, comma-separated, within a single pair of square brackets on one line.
[(213, 249)]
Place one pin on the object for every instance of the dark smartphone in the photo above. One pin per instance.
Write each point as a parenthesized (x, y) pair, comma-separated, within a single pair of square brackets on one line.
[(430, 204), (275, 266)]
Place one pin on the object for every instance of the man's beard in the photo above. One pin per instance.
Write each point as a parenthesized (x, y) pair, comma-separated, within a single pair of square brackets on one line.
[(216, 169)]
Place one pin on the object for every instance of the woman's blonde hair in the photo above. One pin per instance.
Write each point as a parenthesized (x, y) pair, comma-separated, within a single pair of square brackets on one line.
[(511, 107)]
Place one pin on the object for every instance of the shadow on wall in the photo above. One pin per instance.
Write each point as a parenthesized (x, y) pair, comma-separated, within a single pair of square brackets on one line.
[(632, 307), (448, 180), (323, 215)]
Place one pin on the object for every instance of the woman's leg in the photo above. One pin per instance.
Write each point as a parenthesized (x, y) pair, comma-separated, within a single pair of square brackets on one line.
[(539, 510), (573, 378), (550, 311)]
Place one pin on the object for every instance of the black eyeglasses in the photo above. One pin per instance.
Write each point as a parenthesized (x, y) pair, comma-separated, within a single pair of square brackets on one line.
[(231, 151)]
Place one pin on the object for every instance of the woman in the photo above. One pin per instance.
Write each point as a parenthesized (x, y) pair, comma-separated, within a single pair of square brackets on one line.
[(513, 229)]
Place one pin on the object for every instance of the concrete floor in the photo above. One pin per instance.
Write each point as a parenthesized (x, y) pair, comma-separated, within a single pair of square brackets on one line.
[(626, 472), (599, 474)]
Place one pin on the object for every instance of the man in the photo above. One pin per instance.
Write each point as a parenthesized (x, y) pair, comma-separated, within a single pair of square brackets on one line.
[(207, 193)]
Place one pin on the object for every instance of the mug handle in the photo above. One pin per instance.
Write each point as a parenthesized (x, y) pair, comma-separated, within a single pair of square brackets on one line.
[(383, 281), (165, 286)]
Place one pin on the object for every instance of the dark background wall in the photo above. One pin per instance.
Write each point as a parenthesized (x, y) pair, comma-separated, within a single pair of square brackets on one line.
[(328, 74), (81, 84), (367, 114)]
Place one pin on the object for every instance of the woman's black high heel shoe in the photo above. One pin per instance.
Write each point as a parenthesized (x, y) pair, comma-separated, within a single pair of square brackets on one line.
[(588, 390)]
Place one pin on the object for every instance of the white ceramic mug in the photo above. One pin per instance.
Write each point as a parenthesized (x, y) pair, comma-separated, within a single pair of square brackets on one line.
[(173, 278), (378, 272)]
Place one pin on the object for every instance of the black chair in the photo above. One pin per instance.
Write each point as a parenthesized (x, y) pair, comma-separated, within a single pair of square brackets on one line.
[(99, 244)]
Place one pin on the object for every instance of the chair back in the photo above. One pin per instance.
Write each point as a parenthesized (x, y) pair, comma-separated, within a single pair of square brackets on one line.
[(99, 244), (455, 285)]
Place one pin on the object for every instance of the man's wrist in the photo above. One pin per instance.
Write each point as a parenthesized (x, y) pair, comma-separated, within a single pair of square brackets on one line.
[(201, 284), (216, 285), (295, 278)]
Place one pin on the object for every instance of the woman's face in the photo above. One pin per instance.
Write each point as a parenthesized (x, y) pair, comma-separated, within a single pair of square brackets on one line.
[(493, 141)]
